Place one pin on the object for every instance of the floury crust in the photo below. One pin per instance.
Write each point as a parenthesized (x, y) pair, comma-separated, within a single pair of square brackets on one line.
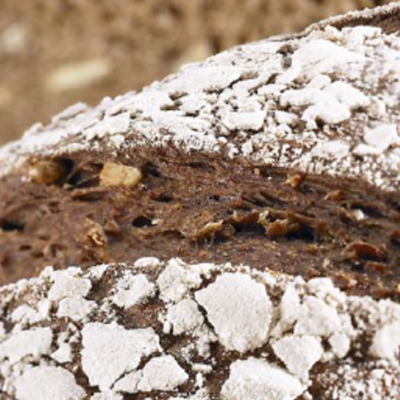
[(315, 103), (108, 50), (171, 330), (284, 150)]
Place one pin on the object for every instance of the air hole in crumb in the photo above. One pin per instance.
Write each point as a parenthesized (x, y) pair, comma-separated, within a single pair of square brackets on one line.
[(85, 174), (38, 254), (358, 267), (68, 163), (305, 234), (151, 169), (142, 222), (214, 197), (10, 226), (164, 198), (248, 228)]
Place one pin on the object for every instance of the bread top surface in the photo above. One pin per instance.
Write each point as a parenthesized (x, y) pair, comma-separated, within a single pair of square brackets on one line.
[(322, 102), (171, 330)]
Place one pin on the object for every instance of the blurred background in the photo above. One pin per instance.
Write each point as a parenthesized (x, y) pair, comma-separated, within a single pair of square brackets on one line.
[(54, 53)]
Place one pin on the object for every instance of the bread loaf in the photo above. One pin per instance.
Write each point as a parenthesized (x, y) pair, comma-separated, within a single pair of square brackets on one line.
[(55, 53), (231, 232)]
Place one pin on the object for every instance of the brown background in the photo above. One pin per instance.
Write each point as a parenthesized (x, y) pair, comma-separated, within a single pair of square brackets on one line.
[(55, 53)]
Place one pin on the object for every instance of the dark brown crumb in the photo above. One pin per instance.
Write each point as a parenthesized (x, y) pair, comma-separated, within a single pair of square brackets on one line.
[(202, 209)]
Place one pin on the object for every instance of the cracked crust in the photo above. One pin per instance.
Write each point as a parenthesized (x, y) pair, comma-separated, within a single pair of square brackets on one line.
[(173, 330), (102, 55), (291, 104)]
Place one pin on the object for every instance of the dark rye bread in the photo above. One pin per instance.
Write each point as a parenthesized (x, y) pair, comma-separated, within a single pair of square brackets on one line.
[(55, 53), (203, 210), (234, 231)]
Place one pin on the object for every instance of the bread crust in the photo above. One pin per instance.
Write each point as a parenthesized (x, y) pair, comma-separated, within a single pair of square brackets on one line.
[(171, 330)]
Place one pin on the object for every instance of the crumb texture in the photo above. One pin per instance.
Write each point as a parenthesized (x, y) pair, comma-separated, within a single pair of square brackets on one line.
[(201, 332)]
